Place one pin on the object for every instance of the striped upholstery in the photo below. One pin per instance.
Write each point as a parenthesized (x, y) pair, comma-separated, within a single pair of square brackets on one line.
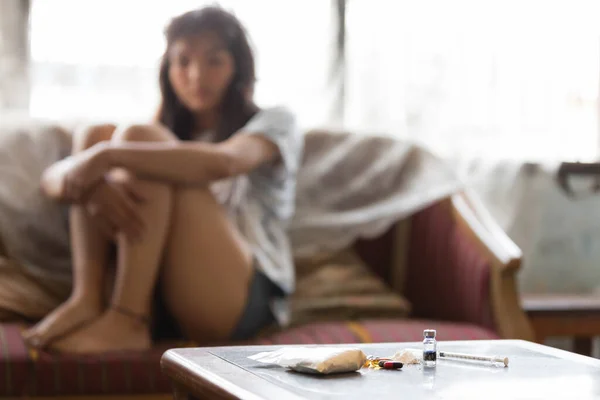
[(379, 331), (25, 373), (448, 276)]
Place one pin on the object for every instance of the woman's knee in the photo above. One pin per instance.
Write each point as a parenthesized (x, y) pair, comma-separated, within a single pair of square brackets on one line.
[(143, 133), (91, 135)]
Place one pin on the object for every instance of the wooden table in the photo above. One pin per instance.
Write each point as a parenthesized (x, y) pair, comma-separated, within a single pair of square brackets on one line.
[(535, 372), (576, 316)]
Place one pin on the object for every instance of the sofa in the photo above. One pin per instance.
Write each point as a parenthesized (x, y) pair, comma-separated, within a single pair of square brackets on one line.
[(450, 261), (459, 273)]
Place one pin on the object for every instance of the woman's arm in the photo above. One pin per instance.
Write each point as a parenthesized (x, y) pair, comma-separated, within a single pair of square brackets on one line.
[(191, 162), (188, 163)]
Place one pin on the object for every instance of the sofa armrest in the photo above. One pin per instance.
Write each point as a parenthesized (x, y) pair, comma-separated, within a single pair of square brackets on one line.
[(462, 267)]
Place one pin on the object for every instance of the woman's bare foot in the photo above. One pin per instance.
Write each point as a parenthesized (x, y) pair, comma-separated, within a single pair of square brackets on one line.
[(69, 316), (113, 331)]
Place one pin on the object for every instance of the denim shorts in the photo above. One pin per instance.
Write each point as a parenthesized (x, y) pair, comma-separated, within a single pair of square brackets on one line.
[(257, 313)]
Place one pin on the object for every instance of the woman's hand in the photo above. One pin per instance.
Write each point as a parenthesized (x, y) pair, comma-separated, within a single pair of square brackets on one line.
[(84, 171), (114, 207), (72, 178)]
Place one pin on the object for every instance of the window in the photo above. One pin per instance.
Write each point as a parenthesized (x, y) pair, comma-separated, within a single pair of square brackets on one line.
[(98, 59), (512, 78)]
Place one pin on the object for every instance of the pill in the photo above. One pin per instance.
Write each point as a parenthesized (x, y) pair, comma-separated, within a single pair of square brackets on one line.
[(390, 364)]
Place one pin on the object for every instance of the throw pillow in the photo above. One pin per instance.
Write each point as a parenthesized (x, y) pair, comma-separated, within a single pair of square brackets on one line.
[(341, 287)]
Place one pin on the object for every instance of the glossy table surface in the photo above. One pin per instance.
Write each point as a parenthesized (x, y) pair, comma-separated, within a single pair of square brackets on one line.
[(534, 372)]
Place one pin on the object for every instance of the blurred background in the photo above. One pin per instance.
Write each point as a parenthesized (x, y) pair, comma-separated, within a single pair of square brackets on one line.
[(506, 91), (517, 78)]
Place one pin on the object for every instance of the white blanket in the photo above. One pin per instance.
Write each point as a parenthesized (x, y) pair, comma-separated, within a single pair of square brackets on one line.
[(32, 228), (349, 186), (356, 186)]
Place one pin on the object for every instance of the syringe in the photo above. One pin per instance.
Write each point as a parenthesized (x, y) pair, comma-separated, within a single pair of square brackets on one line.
[(493, 360)]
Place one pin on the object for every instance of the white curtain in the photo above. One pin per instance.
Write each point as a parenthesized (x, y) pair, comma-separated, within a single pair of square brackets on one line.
[(14, 89), (505, 78), (98, 59)]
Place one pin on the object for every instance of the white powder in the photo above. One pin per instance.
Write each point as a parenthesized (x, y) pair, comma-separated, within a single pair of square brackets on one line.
[(407, 356)]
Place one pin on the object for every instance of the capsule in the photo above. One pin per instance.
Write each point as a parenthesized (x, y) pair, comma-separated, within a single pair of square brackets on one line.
[(390, 364), (373, 362)]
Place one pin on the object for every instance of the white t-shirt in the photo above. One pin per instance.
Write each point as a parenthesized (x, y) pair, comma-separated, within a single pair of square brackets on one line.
[(262, 202)]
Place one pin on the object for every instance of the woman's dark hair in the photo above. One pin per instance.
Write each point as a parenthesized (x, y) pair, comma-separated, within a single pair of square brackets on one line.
[(237, 106)]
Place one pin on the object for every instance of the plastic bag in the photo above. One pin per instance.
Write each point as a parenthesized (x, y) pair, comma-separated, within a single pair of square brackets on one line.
[(314, 360)]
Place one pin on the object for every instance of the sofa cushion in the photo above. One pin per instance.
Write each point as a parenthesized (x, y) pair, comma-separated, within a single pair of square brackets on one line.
[(24, 372), (339, 287), (24, 296)]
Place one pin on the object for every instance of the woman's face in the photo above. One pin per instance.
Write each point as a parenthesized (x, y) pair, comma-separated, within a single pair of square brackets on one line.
[(201, 70)]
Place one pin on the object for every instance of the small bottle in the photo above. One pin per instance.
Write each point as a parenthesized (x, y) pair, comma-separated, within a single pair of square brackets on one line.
[(429, 348)]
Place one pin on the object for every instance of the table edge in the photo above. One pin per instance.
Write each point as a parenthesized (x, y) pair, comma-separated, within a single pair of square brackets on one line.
[(173, 364)]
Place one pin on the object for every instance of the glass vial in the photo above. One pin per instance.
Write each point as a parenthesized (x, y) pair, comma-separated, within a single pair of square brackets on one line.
[(429, 348)]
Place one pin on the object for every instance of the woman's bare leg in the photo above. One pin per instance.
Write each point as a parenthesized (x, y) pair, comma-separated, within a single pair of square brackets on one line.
[(206, 273), (208, 267), (137, 270), (90, 260)]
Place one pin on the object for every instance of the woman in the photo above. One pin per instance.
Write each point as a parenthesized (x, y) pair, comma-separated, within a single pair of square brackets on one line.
[(197, 202)]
